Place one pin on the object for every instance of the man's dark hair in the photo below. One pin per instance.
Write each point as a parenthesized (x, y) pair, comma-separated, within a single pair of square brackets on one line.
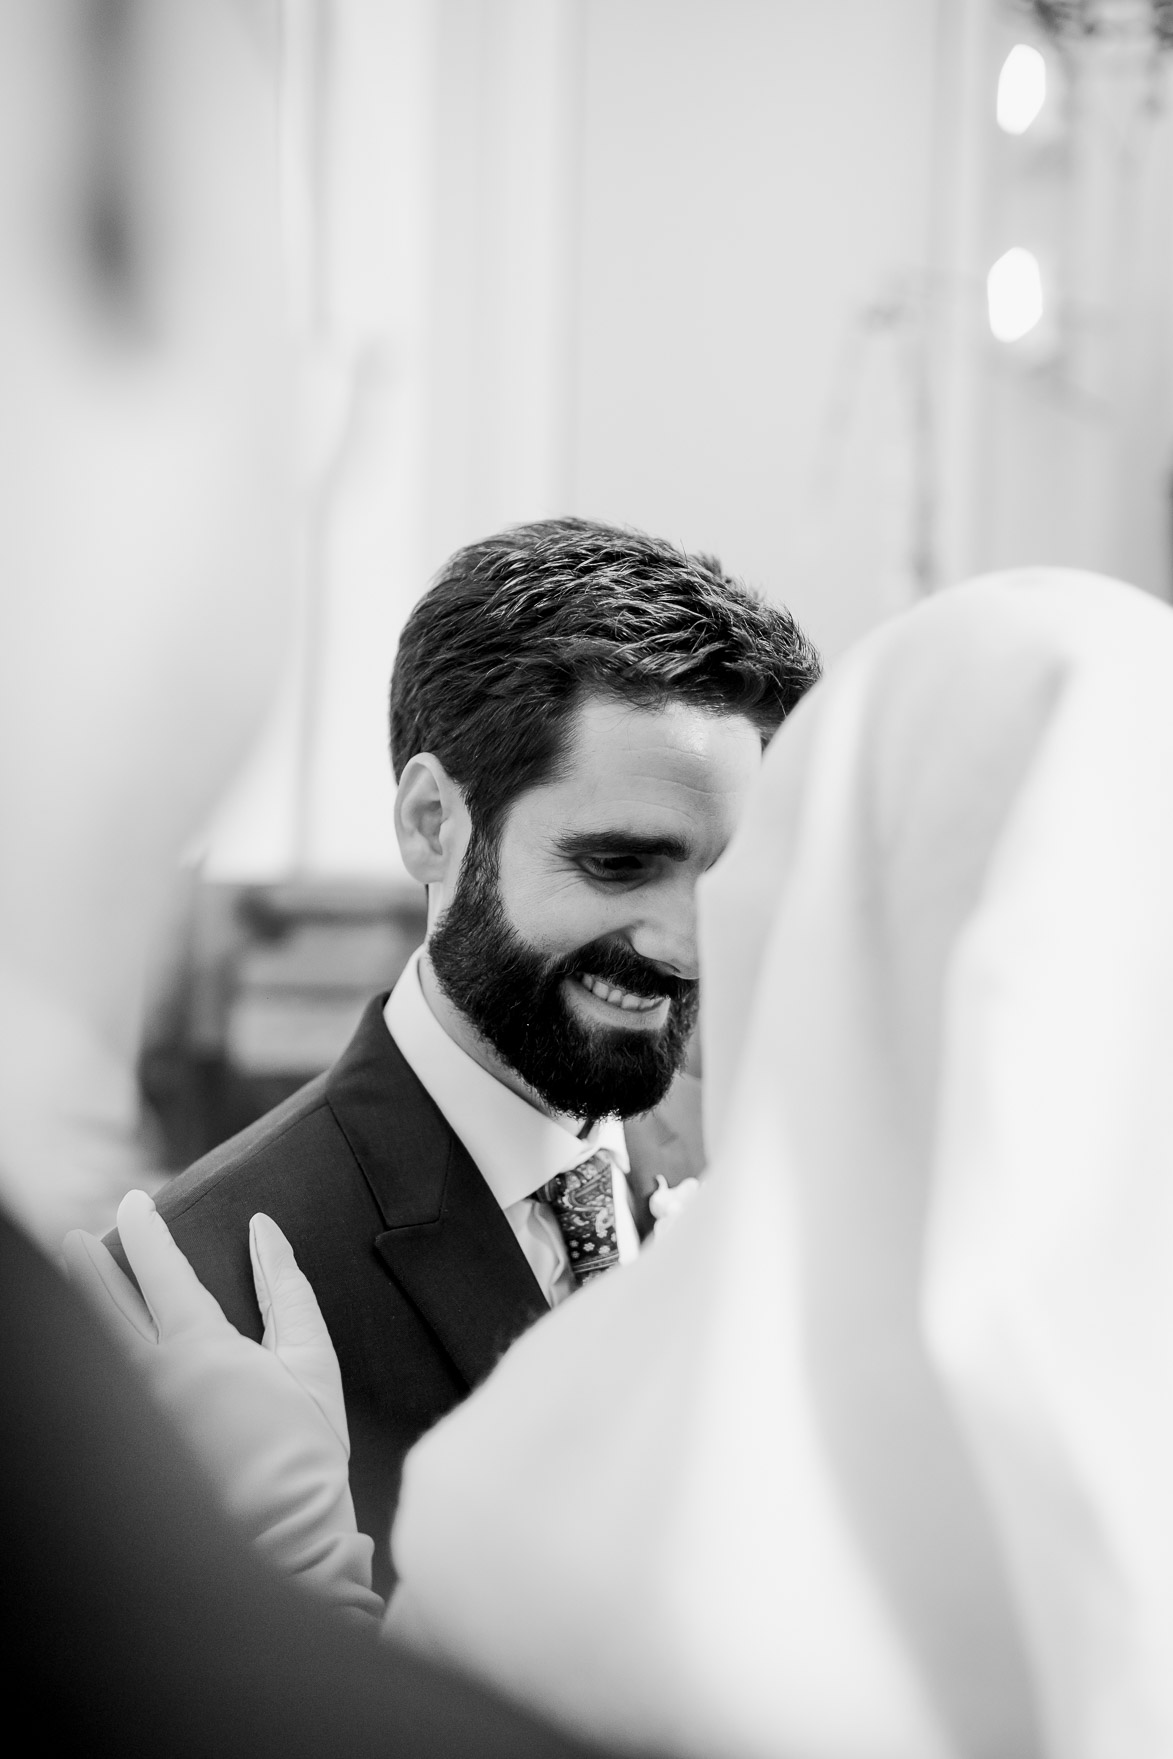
[(517, 630)]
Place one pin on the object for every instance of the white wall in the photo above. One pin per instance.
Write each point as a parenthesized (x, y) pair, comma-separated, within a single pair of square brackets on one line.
[(711, 267), (359, 143), (752, 243)]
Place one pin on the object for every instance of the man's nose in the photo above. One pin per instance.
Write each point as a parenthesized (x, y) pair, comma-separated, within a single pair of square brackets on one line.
[(665, 934)]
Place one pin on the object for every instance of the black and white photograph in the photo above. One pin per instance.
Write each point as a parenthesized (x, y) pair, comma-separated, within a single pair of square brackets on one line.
[(586, 879)]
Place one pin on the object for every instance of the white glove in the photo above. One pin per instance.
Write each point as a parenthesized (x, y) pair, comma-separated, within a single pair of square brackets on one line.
[(267, 1421)]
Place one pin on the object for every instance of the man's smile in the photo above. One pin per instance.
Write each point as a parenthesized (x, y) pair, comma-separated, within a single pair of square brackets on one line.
[(593, 998)]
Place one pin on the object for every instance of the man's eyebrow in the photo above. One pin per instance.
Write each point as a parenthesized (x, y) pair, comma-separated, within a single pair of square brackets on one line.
[(609, 842)]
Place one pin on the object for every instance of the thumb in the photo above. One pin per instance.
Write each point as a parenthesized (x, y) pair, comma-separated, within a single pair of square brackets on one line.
[(295, 1331), (177, 1299), (108, 1292)]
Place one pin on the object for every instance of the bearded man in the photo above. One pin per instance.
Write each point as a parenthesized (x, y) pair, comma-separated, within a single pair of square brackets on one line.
[(577, 715)]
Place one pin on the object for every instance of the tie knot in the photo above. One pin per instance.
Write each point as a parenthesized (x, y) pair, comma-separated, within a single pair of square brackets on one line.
[(583, 1201), (581, 1181)]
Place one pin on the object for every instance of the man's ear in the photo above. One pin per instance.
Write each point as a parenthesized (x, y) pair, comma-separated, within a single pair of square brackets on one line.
[(431, 821)]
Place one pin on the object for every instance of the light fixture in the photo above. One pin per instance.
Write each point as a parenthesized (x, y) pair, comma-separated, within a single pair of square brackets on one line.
[(1022, 88), (1014, 292)]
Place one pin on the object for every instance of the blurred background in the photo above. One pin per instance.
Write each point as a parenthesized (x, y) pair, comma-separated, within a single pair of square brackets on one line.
[(863, 297)]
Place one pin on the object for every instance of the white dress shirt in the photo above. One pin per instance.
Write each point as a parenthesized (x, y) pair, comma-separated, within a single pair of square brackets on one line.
[(515, 1146)]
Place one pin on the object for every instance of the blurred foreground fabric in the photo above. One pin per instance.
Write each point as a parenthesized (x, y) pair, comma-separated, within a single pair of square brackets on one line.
[(137, 1621), (872, 1452)]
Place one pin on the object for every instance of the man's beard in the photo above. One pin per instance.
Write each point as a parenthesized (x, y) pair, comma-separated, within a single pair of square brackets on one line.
[(513, 996)]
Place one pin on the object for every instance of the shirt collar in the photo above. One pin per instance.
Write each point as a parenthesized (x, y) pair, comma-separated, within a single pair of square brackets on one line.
[(515, 1146)]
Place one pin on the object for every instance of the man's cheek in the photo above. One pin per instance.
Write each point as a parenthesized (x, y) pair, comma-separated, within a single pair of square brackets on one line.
[(558, 909)]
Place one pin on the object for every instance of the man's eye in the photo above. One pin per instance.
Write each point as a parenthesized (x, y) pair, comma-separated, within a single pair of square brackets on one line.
[(612, 867)]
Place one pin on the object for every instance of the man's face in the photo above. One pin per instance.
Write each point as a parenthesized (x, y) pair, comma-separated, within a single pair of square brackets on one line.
[(571, 947)]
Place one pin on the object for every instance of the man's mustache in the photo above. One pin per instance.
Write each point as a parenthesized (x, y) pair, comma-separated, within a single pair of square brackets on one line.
[(620, 965)]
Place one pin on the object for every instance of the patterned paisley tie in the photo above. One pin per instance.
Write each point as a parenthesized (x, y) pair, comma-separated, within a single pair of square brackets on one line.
[(583, 1200)]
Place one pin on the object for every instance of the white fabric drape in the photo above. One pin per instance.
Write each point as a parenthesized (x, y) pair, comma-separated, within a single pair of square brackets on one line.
[(872, 1453)]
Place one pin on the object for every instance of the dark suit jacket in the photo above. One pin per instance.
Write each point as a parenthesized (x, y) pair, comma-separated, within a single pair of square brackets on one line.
[(418, 1274)]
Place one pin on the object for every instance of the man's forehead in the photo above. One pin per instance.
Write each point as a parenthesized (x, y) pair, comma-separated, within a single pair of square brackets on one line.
[(639, 777), (606, 722)]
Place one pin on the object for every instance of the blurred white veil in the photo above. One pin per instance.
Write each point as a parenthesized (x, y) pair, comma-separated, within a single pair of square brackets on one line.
[(872, 1452)]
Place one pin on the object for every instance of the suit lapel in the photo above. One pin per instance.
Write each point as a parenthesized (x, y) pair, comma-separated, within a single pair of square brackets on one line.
[(446, 1242)]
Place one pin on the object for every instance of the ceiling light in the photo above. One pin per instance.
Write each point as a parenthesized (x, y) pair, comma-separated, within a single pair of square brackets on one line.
[(1022, 88), (1014, 290)]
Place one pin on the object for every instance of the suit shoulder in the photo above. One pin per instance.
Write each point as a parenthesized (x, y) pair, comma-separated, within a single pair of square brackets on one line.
[(282, 1136)]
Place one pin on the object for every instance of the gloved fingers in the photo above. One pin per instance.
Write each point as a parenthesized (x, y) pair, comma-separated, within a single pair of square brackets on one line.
[(172, 1290), (109, 1292), (288, 1304), (295, 1331)]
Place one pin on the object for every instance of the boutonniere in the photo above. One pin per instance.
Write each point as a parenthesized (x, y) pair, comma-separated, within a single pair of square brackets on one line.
[(667, 1201)]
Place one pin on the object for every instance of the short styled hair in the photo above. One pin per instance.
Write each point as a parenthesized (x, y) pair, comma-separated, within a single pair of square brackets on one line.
[(517, 630)]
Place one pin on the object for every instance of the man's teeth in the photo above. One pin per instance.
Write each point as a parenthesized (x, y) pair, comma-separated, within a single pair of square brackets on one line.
[(620, 998)]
